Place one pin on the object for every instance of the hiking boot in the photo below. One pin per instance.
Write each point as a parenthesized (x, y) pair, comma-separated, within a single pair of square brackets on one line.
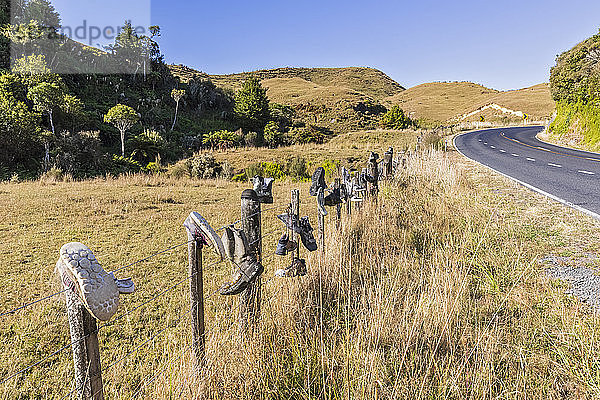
[(97, 289), (264, 189), (290, 221), (198, 227), (284, 245), (318, 181), (373, 157), (334, 198), (248, 268), (321, 202), (297, 268), (306, 235)]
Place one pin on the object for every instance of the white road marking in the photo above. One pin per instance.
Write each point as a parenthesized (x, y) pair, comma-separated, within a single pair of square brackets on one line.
[(493, 147), (485, 143), (530, 159), (554, 165), (515, 155), (586, 172), (479, 140), (502, 151)]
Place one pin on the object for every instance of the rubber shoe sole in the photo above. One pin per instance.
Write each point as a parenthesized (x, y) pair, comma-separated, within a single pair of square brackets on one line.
[(198, 225), (82, 273)]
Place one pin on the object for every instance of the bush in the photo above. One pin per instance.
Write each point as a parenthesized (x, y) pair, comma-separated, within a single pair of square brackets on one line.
[(251, 139), (331, 168), (123, 165), (204, 166), (80, 154), (296, 167), (266, 169), (309, 134), (54, 174), (273, 136), (222, 139), (180, 170), (395, 119)]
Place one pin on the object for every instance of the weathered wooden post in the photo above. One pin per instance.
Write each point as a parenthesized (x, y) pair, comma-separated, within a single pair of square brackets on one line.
[(321, 219), (249, 311), (86, 352), (195, 244), (338, 208), (388, 158), (373, 172), (295, 210)]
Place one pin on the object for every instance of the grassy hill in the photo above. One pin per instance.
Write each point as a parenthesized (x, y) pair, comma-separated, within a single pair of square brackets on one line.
[(442, 101), (339, 99), (343, 99)]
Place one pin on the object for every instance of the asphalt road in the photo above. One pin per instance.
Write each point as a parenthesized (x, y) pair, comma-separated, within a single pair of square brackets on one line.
[(566, 175)]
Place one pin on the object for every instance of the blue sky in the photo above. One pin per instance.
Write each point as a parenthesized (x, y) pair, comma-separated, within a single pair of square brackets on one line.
[(502, 44)]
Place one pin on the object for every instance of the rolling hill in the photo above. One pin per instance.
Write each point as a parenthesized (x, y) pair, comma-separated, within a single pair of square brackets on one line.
[(444, 101), (343, 99)]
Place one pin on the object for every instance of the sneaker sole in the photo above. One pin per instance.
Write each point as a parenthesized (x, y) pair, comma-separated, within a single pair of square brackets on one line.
[(82, 273), (209, 234)]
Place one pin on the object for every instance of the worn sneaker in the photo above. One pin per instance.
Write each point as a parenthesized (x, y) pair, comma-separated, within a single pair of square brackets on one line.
[(197, 226), (290, 221), (285, 245), (264, 189), (297, 268), (318, 181), (321, 202), (306, 234), (248, 268), (97, 289), (334, 198)]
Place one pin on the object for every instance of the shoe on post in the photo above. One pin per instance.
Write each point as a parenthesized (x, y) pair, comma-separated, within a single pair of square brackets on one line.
[(199, 227), (318, 181), (306, 234), (247, 267), (334, 198), (264, 189), (297, 268), (290, 221), (96, 289), (321, 202), (281, 249)]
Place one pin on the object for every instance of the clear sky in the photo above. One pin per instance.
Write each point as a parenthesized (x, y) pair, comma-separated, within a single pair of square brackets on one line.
[(502, 44)]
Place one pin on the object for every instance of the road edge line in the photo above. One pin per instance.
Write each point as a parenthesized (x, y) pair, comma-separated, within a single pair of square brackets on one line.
[(527, 185)]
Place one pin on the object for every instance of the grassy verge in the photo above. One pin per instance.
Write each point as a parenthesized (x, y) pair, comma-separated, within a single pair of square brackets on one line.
[(576, 125), (433, 292)]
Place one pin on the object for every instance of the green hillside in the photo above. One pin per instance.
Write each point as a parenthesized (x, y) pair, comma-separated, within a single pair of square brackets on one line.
[(575, 85)]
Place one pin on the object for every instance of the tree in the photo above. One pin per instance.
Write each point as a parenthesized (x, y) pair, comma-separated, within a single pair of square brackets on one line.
[(252, 106), (73, 107), (273, 136), (177, 95), (395, 119), (123, 118), (46, 97)]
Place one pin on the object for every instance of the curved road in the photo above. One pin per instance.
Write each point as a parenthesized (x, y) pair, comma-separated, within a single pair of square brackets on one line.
[(566, 175)]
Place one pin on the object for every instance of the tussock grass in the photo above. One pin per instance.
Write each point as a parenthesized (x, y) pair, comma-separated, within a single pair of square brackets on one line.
[(432, 292)]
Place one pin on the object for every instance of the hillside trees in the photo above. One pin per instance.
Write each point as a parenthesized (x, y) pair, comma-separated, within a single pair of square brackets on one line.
[(177, 95), (395, 119), (123, 118), (252, 106), (4, 42)]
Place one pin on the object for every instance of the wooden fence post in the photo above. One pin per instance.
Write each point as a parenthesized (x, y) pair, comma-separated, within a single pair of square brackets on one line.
[(295, 209), (195, 245), (86, 352), (321, 219), (251, 225), (374, 174), (388, 159), (338, 208)]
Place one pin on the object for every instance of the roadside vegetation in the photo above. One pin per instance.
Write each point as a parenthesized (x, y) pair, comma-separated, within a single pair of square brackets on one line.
[(433, 292), (575, 85)]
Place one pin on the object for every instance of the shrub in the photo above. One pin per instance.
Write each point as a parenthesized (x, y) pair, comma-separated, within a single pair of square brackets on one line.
[(204, 166), (395, 119), (222, 139), (152, 168), (296, 167), (123, 165), (226, 170), (251, 139), (54, 174), (273, 170), (331, 168), (180, 170), (309, 134), (273, 136)]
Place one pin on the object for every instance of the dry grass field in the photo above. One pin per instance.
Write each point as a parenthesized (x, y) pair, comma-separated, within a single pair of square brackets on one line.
[(444, 101), (432, 292)]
